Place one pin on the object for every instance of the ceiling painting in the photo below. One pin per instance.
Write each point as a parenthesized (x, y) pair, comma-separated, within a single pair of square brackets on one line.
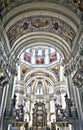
[(42, 23), (24, 70), (5, 3), (40, 56), (55, 69)]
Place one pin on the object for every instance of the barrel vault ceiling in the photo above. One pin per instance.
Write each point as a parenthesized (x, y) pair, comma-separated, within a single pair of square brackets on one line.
[(27, 23)]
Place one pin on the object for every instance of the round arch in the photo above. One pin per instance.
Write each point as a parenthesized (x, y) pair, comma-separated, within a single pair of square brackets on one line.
[(45, 38)]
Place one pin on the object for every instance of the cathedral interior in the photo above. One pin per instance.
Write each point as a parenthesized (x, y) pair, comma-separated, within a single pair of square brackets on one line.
[(41, 64)]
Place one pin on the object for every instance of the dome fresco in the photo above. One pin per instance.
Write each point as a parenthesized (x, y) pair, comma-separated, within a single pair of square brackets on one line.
[(41, 45), (40, 56)]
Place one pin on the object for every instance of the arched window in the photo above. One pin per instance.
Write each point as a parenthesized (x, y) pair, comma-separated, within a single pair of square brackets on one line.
[(40, 90), (50, 89)]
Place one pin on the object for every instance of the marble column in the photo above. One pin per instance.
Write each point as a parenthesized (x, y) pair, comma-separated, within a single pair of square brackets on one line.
[(79, 107), (30, 116), (75, 124), (13, 89), (67, 74), (47, 56), (59, 100), (19, 98), (48, 112), (3, 105), (33, 60), (63, 103), (19, 74), (27, 107), (7, 102), (61, 73)]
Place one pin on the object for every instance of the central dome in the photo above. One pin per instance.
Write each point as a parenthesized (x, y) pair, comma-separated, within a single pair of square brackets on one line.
[(40, 56)]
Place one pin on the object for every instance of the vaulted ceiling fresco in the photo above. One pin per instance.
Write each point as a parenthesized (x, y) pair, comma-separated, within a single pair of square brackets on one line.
[(40, 39), (30, 30)]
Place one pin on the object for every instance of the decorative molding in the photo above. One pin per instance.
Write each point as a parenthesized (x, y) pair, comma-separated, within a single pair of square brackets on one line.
[(43, 23), (76, 67), (68, 4)]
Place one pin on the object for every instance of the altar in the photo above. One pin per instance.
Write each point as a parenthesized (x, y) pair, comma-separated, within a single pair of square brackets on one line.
[(39, 116)]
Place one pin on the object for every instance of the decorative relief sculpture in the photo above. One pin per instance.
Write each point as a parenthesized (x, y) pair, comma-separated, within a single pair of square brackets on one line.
[(68, 32), (70, 113), (42, 23)]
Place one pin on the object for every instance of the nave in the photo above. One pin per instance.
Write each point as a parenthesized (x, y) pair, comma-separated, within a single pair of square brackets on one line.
[(41, 65)]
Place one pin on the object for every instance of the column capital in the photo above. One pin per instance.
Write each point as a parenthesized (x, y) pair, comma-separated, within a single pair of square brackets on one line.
[(19, 90)]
